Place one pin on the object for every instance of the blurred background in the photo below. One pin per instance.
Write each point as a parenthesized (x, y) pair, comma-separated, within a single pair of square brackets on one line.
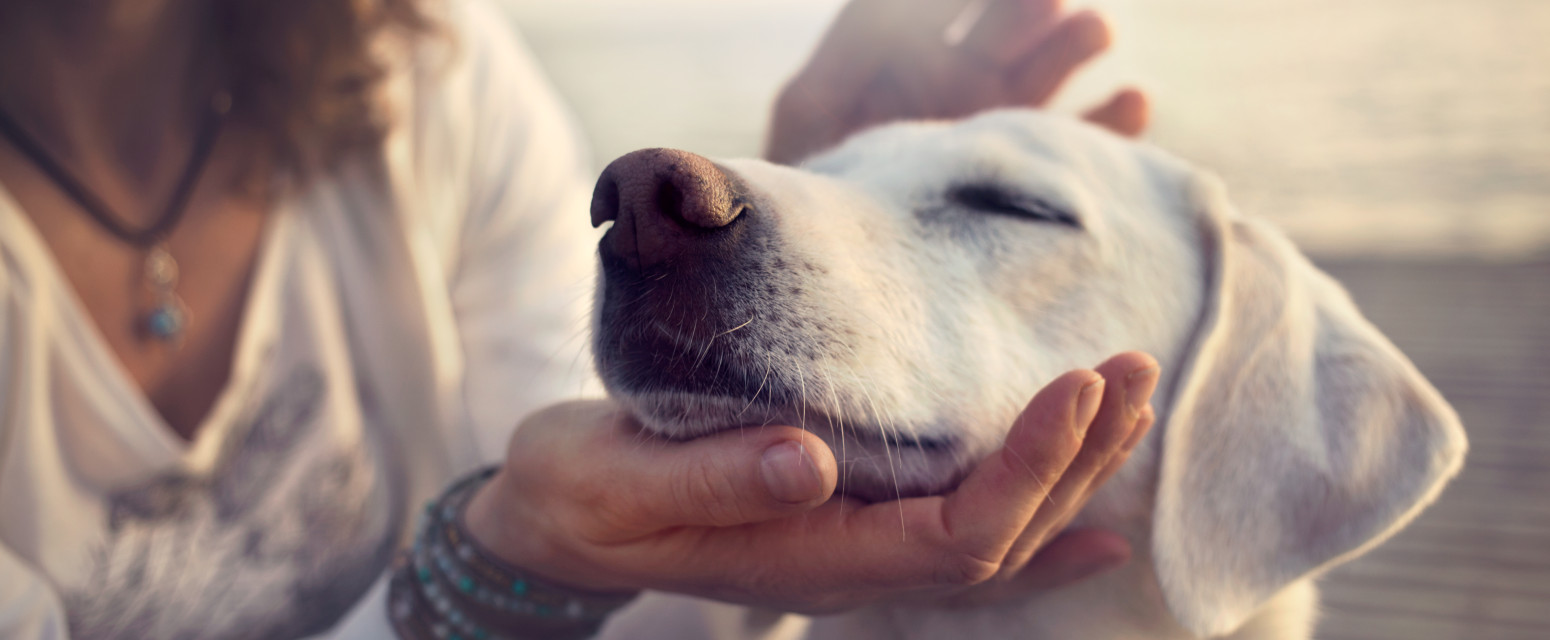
[(1405, 144)]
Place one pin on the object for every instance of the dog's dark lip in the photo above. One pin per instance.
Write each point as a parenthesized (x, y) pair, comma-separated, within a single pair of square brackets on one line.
[(818, 423), (941, 446), (898, 440)]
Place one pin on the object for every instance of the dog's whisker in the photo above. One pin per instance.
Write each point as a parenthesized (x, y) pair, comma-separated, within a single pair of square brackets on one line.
[(883, 426), (712, 341), (1048, 495), (738, 327), (834, 412), (768, 366), (865, 386), (802, 399)]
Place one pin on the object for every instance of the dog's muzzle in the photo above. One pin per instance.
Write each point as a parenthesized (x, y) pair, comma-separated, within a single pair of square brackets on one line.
[(681, 265)]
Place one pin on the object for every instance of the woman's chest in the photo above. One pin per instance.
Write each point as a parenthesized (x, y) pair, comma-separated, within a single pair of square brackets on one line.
[(213, 248), (281, 511)]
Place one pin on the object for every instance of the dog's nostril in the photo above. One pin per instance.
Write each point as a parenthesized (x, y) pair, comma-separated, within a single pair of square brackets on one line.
[(670, 203), (663, 203), (605, 200), (740, 209)]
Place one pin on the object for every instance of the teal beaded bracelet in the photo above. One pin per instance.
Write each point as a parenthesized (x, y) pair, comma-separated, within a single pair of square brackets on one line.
[(449, 587)]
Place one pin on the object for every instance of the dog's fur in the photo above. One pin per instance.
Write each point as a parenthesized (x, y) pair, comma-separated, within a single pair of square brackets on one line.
[(904, 295)]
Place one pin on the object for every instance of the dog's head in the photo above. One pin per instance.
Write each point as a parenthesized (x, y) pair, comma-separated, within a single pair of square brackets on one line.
[(904, 295)]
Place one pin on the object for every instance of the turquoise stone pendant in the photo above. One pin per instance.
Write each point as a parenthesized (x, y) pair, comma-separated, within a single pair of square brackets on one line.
[(165, 322), (168, 316)]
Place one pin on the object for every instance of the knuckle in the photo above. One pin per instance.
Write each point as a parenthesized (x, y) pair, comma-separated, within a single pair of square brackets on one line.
[(965, 568), (596, 513), (758, 582), (594, 525), (589, 491), (705, 492)]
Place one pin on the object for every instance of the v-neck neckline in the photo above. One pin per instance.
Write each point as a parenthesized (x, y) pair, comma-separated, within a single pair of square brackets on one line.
[(253, 330)]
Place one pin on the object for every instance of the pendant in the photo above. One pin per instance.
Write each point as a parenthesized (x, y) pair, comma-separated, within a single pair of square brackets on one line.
[(168, 315)]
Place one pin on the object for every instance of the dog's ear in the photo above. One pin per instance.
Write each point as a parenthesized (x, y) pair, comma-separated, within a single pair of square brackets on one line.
[(1297, 435)]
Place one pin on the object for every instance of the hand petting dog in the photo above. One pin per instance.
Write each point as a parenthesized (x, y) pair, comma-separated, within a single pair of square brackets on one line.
[(887, 60)]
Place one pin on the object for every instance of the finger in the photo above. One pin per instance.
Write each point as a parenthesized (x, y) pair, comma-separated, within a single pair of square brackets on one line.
[(1143, 426), (830, 93), (924, 79), (1070, 43), (983, 517), (939, 88), (954, 539), (867, 33), (1030, 542), (1126, 113), (885, 99), (1071, 557), (1010, 486), (1131, 377), (806, 121), (731, 478), (1005, 30)]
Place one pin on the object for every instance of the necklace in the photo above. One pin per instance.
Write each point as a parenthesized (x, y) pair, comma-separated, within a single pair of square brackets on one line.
[(168, 315)]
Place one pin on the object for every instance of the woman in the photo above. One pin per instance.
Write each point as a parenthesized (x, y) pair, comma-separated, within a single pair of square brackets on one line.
[(273, 273)]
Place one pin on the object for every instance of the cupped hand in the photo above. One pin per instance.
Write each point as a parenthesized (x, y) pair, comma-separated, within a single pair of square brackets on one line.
[(750, 516), (885, 60)]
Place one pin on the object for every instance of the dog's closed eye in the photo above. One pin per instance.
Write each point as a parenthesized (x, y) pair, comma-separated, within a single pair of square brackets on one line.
[(997, 199)]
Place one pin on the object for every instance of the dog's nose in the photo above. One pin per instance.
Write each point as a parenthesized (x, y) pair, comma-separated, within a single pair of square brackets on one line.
[(661, 202)]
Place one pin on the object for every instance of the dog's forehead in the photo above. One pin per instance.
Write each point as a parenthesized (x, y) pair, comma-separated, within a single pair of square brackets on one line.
[(1012, 139), (1115, 186)]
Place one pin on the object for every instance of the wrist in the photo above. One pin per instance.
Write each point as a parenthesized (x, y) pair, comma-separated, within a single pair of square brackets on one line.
[(451, 584), (493, 519), (485, 518)]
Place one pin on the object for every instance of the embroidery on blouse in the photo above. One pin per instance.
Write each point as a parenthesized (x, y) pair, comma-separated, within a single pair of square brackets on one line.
[(290, 530)]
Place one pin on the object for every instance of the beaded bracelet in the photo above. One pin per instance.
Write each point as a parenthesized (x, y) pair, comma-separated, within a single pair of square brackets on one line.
[(449, 587)]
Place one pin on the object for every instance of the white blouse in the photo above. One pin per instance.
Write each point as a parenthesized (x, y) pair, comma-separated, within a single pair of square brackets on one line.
[(405, 313)]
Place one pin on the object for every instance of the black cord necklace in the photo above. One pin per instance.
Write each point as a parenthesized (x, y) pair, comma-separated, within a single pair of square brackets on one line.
[(168, 316)]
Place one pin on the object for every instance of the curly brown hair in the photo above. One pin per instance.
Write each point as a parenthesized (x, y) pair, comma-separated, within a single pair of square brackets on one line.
[(305, 73)]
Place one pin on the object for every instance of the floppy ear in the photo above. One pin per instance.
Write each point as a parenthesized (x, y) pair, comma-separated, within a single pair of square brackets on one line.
[(1298, 436)]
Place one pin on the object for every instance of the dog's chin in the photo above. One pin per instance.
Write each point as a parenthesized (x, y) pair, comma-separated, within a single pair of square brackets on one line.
[(874, 464)]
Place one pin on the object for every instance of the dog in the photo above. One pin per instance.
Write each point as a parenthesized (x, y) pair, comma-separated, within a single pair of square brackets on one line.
[(903, 295)]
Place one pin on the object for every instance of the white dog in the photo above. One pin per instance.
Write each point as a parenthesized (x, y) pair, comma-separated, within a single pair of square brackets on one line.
[(904, 295)]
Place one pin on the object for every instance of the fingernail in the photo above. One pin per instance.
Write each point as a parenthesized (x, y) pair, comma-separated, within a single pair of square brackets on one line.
[(790, 474), (1143, 424), (1138, 388), (1087, 401)]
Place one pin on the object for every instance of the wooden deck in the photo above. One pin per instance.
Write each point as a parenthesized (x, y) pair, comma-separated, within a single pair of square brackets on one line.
[(1475, 566)]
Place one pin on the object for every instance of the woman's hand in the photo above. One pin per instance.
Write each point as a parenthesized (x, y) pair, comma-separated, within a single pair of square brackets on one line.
[(749, 516), (885, 60)]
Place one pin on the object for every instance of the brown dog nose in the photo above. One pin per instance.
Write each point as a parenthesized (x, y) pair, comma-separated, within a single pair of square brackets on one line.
[(661, 202)]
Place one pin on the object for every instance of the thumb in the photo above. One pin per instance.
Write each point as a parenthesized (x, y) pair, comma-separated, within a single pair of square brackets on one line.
[(731, 478)]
